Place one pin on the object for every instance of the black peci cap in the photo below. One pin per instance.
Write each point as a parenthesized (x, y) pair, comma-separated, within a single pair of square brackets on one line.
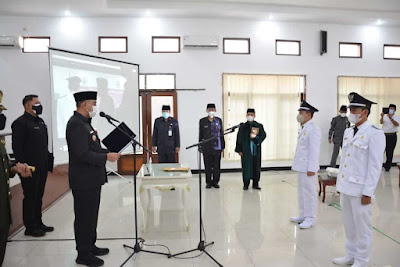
[(211, 105), (166, 107), (85, 95), (343, 108), (251, 110)]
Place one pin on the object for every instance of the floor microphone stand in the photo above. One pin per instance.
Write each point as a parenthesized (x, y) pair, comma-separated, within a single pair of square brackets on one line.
[(202, 243), (136, 248)]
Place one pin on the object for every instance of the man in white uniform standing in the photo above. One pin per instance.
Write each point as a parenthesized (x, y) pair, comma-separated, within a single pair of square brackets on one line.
[(306, 163), (359, 173)]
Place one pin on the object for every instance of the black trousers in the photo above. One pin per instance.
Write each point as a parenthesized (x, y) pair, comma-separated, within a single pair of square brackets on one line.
[(33, 188), (166, 157), (212, 163), (86, 209), (391, 141), (256, 173), (3, 242)]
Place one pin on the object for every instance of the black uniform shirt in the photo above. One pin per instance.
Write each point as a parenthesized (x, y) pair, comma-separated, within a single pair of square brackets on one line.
[(166, 135), (30, 141), (206, 133), (87, 159)]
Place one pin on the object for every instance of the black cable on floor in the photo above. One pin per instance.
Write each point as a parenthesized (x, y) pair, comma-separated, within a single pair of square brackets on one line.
[(72, 239)]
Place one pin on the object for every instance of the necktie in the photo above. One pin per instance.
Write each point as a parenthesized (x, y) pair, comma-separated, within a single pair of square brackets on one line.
[(355, 130)]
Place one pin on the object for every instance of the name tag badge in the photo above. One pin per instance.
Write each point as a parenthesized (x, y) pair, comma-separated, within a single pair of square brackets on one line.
[(170, 132)]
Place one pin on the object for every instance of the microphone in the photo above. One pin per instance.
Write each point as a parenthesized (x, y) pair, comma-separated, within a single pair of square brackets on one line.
[(108, 117), (234, 127)]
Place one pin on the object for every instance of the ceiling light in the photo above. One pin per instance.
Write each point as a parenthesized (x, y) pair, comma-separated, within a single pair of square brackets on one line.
[(380, 22), (67, 13), (271, 17)]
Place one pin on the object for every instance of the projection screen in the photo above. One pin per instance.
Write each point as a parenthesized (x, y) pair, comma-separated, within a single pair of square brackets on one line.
[(116, 82)]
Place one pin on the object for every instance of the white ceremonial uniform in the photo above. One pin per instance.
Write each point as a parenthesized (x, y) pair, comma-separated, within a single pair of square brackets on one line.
[(306, 159), (359, 173)]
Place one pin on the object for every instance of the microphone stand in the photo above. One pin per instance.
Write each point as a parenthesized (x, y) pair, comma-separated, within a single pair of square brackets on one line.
[(202, 243), (137, 248)]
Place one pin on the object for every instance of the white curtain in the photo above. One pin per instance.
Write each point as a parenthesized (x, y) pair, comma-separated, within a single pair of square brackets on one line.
[(383, 91), (276, 99)]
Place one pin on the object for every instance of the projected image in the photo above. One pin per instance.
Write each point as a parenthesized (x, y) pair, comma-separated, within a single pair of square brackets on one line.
[(115, 82)]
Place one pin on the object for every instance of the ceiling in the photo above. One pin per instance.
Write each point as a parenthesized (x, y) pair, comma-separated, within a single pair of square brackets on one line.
[(362, 12)]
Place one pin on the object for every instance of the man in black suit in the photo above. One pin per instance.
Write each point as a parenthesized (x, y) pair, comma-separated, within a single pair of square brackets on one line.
[(166, 138), (211, 126), (87, 173), (30, 145)]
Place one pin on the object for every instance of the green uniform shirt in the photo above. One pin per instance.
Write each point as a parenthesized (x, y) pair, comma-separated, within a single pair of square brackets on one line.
[(5, 194)]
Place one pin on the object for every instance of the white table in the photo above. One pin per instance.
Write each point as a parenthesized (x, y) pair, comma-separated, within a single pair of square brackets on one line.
[(153, 177)]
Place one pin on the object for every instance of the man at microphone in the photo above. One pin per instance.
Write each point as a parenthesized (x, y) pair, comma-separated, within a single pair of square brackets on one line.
[(209, 127), (87, 173)]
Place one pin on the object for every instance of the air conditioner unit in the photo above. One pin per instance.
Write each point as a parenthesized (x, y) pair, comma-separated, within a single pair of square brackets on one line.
[(200, 41), (10, 41)]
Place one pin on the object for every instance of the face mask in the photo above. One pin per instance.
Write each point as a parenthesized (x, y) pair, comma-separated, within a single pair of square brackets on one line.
[(300, 118), (343, 115), (93, 112), (391, 111), (165, 115), (354, 118), (38, 109), (2, 121), (211, 114), (250, 118)]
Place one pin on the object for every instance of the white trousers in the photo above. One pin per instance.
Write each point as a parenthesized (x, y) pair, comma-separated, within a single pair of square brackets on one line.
[(358, 228), (307, 194)]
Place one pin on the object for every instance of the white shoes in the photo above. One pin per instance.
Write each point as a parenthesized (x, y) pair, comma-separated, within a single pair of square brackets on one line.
[(297, 219), (344, 261), (306, 224)]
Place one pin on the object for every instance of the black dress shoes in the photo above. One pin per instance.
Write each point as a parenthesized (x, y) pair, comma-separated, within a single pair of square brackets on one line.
[(257, 188), (100, 251), (208, 186), (216, 185), (89, 260), (245, 188), (45, 228), (35, 232)]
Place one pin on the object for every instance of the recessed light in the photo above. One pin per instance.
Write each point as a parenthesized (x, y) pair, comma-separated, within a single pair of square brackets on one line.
[(380, 22), (271, 17), (67, 13)]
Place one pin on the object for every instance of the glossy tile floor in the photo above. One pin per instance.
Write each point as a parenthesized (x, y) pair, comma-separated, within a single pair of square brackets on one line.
[(249, 228)]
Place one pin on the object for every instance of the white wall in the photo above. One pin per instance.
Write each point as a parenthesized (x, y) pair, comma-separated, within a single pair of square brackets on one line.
[(21, 74)]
